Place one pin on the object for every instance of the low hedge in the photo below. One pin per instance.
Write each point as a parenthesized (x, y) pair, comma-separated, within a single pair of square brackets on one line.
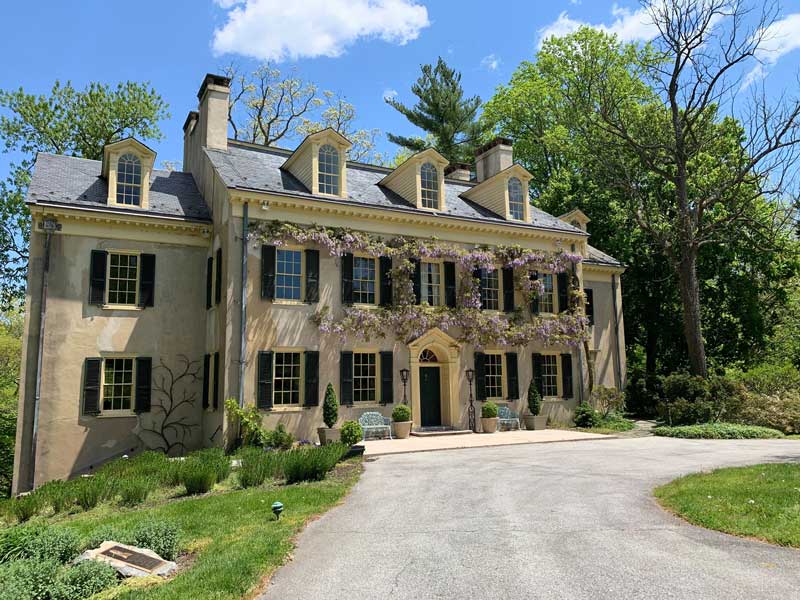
[(718, 431)]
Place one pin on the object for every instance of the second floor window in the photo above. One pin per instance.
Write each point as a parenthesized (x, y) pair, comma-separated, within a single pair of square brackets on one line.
[(288, 274), (429, 186), (123, 278), (328, 170), (547, 300), (490, 289), (365, 377), (129, 180), (364, 280), (431, 283), (516, 202), (286, 379)]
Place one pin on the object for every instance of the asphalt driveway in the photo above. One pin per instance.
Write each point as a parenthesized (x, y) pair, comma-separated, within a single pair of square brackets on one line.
[(570, 520)]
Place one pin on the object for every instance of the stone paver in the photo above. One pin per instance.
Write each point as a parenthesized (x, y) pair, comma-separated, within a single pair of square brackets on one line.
[(567, 521)]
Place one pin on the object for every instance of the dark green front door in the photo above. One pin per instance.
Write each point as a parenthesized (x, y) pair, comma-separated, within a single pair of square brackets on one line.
[(429, 397)]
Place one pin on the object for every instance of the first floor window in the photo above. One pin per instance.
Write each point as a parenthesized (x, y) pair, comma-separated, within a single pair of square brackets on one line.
[(288, 274), (494, 375), (549, 375), (123, 278), (286, 379), (431, 283), (363, 280), (117, 384), (547, 300), (490, 289), (364, 377)]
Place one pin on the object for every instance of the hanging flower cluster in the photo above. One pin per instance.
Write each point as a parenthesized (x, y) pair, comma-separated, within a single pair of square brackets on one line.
[(407, 320)]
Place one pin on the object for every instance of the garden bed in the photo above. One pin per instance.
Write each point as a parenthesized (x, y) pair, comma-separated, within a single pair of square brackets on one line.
[(718, 431)]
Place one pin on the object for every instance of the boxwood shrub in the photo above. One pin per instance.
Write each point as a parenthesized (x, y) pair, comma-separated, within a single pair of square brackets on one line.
[(718, 431), (489, 410), (401, 413), (351, 433)]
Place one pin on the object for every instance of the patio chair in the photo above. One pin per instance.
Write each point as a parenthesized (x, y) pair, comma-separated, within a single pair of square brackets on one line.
[(507, 419), (375, 423)]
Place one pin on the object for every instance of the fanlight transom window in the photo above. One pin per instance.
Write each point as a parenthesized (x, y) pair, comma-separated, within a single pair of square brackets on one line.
[(328, 170), (516, 200), (429, 186), (428, 356), (129, 180)]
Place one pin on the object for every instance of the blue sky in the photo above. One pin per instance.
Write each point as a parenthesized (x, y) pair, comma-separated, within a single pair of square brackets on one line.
[(361, 48)]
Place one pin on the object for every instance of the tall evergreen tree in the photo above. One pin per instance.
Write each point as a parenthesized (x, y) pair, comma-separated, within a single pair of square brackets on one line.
[(444, 113)]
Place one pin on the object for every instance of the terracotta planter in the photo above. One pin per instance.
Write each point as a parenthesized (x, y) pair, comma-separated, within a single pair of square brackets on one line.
[(327, 435), (535, 422), (489, 425), (402, 429)]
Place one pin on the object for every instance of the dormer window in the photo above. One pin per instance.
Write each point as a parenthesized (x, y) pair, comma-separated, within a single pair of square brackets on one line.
[(129, 180), (328, 170), (516, 200), (429, 186)]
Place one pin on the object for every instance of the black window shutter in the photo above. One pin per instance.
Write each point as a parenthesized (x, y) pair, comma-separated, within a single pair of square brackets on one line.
[(508, 289), (417, 280), (311, 384), (312, 275), (563, 291), (215, 395), (535, 299), (206, 373), (566, 375), (450, 284), (589, 305), (537, 373), (218, 282), (209, 280), (97, 277), (346, 378), (144, 385), (264, 387), (480, 275), (147, 280), (268, 272), (512, 376), (480, 376), (387, 377), (347, 279), (91, 386), (385, 274)]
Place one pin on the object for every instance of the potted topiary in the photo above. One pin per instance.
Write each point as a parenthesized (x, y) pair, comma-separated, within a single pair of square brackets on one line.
[(401, 415), (534, 420), (489, 417), (330, 414)]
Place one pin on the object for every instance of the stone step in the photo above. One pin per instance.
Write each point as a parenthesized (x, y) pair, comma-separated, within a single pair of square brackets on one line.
[(438, 431)]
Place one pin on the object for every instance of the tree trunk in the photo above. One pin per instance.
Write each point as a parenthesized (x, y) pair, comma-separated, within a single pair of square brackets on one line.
[(690, 297), (589, 368)]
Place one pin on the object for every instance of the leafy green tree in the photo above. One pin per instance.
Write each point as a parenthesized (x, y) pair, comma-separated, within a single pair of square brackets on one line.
[(442, 111), (65, 121), (11, 327)]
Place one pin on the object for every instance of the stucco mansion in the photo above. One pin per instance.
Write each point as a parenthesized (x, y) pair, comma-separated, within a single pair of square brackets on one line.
[(263, 274)]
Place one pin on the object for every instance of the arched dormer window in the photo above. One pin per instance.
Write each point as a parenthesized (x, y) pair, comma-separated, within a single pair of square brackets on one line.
[(129, 180), (516, 199), (429, 186), (328, 170)]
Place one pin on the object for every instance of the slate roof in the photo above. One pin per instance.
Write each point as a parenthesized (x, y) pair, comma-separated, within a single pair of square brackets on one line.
[(597, 257), (77, 183), (258, 168)]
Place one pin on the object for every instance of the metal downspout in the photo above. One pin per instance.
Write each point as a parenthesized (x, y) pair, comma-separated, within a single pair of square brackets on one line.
[(617, 363), (243, 326)]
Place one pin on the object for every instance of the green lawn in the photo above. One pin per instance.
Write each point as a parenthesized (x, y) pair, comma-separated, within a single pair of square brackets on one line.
[(762, 501), (232, 537)]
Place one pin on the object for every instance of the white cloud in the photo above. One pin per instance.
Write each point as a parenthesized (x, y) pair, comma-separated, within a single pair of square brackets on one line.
[(278, 30), (490, 62), (780, 38), (629, 26), (388, 94)]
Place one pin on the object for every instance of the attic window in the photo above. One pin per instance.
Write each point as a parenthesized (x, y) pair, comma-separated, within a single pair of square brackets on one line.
[(516, 200), (328, 170), (129, 180), (429, 187)]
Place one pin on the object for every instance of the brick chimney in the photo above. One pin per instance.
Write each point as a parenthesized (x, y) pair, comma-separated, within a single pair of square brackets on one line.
[(493, 157)]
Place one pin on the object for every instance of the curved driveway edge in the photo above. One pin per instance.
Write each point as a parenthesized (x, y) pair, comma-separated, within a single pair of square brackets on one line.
[(568, 520)]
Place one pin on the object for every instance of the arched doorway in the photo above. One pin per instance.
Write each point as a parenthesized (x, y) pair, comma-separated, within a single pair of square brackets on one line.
[(434, 379)]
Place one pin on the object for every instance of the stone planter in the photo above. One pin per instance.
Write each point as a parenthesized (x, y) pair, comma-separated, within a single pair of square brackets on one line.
[(535, 422), (402, 429), (489, 425), (327, 435)]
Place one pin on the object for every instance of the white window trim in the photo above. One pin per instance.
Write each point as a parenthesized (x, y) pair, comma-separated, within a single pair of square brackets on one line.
[(375, 262), (135, 305), (499, 309), (503, 372), (111, 413), (554, 293), (559, 383), (290, 301), (440, 263), (377, 353), (302, 390)]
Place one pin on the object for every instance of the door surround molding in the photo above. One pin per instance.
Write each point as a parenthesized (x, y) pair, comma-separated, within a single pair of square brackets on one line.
[(447, 350)]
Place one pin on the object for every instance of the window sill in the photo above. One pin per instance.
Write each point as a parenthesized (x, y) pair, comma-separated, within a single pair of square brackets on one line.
[(366, 405), (283, 302), (285, 409), (365, 305), (122, 307), (555, 399), (122, 414)]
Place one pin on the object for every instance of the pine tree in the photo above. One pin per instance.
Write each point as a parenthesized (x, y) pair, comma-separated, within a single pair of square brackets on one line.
[(444, 113)]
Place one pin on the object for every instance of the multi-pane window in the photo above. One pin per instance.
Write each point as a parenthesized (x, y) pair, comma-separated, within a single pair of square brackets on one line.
[(549, 375), (431, 283), (364, 377), (516, 200), (117, 384), (286, 380), (490, 289), (429, 186), (288, 274), (129, 180), (547, 300), (363, 280), (328, 170), (123, 278), (494, 375)]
